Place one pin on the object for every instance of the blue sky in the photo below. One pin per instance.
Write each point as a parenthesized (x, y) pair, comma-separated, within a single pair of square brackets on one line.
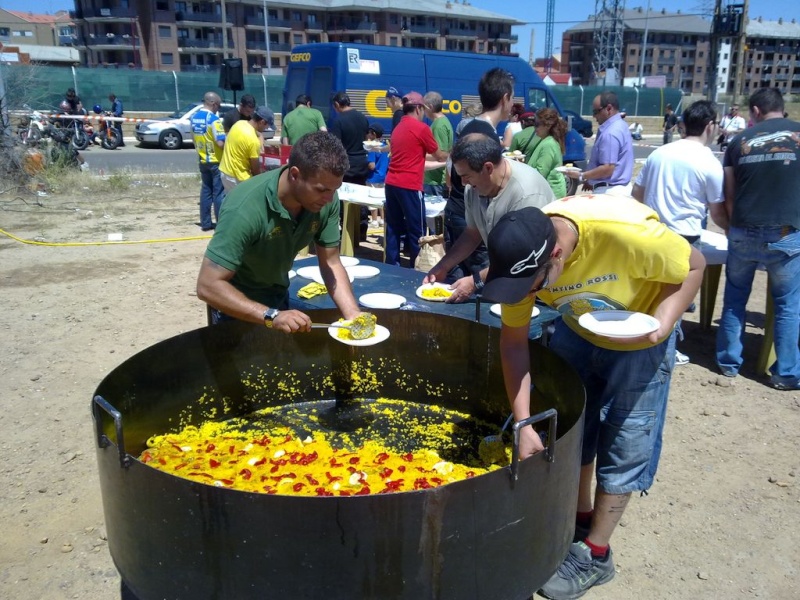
[(567, 13)]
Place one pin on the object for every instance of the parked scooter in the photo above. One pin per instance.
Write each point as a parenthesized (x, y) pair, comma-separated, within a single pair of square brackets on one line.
[(33, 127), (106, 132), (79, 136)]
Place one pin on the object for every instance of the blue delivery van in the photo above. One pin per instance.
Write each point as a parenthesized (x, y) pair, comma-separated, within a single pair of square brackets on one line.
[(365, 72)]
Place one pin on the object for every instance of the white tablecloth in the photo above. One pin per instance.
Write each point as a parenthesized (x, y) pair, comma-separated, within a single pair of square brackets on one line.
[(375, 197)]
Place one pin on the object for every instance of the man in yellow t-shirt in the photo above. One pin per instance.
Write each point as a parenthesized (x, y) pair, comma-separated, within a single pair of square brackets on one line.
[(242, 151), (583, 254)]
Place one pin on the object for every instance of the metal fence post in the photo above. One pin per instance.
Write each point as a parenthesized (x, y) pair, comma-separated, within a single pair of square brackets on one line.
[(177, 94)]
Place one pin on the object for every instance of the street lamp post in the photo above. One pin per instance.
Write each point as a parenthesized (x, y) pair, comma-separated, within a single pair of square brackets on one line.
[(266, 37)]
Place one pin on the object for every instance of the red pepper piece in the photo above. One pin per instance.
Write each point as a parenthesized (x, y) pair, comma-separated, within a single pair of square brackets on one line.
[(231, 449), (246, 474), (311, 480), (210, 448), (227, 481), (407, 457), (364, 491), (260, 462), (402, 468), (386, 472), (298, 486), (381, 458), (354, 460), (332, 478), (323, 492), (213, 463)]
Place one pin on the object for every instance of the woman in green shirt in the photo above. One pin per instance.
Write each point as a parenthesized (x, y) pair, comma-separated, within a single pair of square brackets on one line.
[(547, 155)]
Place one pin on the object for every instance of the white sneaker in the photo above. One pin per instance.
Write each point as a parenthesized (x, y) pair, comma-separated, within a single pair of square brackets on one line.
[(84, 166), (373, 224), (681, 358), (380, 222)]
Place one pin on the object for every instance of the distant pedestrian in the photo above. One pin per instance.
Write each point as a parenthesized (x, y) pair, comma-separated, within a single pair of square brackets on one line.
[(209, 138), (412, 141), (243, 112), (670, 123), (241, 155), (442, 130), (300, 121), (116, 111)]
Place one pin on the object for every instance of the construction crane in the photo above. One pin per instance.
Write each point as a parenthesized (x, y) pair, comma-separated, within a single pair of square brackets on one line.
[(608, 33), (548, 34)]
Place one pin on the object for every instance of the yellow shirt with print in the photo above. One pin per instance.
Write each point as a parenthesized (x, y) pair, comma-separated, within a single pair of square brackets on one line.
[(206, 132), (624, 258), (241, 145)]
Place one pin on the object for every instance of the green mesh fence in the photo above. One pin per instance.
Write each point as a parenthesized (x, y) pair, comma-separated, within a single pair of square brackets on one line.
[(43, 88), (638, 102)]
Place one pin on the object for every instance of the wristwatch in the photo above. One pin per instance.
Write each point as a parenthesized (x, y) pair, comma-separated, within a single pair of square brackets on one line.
[(580, 178), (476, 277), (269, 316)]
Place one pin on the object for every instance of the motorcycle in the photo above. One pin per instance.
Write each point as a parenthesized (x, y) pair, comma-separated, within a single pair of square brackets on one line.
[(32, 129), (107, 133), (63, 151)]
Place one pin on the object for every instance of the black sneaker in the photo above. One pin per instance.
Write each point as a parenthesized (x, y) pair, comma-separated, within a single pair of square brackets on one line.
[(578, 574)]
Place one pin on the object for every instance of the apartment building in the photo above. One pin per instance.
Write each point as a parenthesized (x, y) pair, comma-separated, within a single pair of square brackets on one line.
[(46, 39), (678, 49), (181, 35), (771, 58)]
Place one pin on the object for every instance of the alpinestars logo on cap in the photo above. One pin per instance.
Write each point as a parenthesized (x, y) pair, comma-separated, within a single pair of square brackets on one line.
[(535, 256)]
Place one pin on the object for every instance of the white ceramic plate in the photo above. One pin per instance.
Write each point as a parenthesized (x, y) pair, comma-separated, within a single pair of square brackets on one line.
[(373, 145), (429, 286), (568, 169), (348, 261), (618, 323), (382, 300), (495, 310), (313, 273), (363, 271), (381, 334), (292, 274)]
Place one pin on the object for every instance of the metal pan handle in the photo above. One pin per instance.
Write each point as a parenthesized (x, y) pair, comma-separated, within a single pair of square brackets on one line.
[(101, 404), (550, 413)]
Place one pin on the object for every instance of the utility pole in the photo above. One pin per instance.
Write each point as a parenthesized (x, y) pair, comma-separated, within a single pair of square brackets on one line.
[(644, 43), (712, 74), (225, 49), (741, 64)]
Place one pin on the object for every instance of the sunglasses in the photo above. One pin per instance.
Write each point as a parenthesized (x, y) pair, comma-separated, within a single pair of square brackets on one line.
[(597, 110)]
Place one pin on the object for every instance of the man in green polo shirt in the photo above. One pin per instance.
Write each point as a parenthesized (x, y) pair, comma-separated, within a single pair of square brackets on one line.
[(434, 182), (300, 121), (265, 221)]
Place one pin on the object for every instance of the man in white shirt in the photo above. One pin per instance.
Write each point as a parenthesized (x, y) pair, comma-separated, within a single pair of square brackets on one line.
[(730, 125), (682, 180)]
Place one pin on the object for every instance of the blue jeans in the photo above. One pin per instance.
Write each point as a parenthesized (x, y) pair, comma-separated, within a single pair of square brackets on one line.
[(211, 193), (626, 406), (404, 214), (778, 249)]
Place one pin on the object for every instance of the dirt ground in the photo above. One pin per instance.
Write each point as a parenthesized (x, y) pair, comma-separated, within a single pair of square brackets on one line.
[(721, 521)]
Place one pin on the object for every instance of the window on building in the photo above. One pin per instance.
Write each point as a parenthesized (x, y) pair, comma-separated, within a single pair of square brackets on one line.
[(700, 54), (296, 16), (698, 69), (393, 40), (5, 32), (394, 19), (183, 34), (297, 38), (480, 47), (167, 58), (164, 31), (162, 5), (312, 18), (180, 6)]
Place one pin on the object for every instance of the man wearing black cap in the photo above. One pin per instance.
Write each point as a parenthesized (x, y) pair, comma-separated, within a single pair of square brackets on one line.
[(580, 255)]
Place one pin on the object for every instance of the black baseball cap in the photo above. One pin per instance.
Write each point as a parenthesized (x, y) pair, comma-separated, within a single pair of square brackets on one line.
[(377, 129), (519, 250)]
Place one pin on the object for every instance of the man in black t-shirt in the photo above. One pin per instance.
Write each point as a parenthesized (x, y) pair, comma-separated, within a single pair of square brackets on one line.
[(351, 128), (244, 111), (670, 121), (762, 179)]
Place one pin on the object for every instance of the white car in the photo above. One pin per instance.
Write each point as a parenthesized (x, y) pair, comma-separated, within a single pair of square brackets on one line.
[(172, 132)]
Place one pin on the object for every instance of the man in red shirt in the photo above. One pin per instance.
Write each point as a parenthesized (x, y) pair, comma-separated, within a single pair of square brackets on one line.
[(411, 142)]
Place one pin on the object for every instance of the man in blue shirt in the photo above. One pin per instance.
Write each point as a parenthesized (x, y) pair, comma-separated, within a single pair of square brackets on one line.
[(116, 111), (611, 165)]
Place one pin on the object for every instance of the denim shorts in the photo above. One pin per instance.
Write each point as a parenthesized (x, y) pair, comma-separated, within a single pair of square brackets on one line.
[(626, 406)]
